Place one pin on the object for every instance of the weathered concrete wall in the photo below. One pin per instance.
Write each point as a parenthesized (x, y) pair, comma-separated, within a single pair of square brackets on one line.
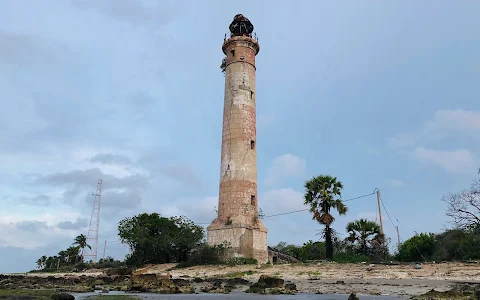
[(237, 221), (244, 242)]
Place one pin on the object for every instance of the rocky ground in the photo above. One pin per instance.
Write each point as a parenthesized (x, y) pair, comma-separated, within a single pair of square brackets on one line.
[(325, 278)]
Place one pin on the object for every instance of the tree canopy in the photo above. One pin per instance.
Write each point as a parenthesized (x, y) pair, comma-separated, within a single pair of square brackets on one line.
[(365, 235), (154, 239), (322, 193)]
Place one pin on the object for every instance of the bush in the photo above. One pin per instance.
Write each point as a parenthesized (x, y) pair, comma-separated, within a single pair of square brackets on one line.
[(234, 261), (350, 258), (108, 263), (205, 255)]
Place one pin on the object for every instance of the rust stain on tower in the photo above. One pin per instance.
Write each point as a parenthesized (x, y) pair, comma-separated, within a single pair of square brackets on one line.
[(237, 222)]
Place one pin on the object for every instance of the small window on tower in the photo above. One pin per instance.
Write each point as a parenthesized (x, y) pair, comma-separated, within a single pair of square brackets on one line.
[(252, 144), (232, 52), (252, 200), (251, 94)]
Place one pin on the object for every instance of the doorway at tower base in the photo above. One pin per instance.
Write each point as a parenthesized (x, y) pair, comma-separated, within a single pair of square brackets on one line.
[(243, 241)]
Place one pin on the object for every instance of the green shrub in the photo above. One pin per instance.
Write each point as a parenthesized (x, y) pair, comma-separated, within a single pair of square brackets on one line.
[(350, 258), (234, 261), (204, 255)]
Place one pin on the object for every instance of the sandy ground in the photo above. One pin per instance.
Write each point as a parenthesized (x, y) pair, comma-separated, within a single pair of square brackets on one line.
[(345, 278), (333, 278)]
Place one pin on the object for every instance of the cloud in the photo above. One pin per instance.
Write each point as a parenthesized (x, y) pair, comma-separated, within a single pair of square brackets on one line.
[(456, 161), (281, 200), (458, 119), (396, 182), (201, 212), (286, 165), (32, 226), (86, 177), (182, 173), (126, 199), (69, 225), (443, 124), (111, 159), (40, 200), (134, 11)]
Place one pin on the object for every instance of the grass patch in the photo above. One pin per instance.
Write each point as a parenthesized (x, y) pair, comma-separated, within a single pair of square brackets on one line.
[(26, 294), (112, 297), (350, 258), (314, 273), (239, 274)]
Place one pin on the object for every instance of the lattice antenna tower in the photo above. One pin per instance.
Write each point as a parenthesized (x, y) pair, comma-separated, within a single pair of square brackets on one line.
[(92, 235)]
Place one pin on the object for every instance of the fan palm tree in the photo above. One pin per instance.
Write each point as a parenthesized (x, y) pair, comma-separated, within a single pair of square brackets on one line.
[(81, 242), (364, 232), (322, 193)]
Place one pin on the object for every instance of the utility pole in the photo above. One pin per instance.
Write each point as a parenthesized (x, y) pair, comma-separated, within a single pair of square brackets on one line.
[(104, 248), (380, 211), (398, 237)]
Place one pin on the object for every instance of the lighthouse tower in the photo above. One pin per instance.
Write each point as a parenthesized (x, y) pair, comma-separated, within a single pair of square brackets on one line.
[(237, 223)]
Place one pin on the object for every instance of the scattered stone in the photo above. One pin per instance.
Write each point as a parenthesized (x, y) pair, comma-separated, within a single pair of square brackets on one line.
[(271, 282), (291, 286), (62, 296), (162, 284), (353, 296), (432, 294), (256, 288), (217, 289), (417, 266)]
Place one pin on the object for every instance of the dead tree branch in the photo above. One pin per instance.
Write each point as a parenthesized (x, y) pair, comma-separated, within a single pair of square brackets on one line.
[(464, 207)]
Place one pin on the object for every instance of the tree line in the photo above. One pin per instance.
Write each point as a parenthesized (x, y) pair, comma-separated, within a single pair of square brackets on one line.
[(154, 239), (365, 242), (461, 242)]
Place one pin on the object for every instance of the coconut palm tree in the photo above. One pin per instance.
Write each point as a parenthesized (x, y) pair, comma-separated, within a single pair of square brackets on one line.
[(39, 263), (364, 232), (73, 253), (322, 193), (81, 242)]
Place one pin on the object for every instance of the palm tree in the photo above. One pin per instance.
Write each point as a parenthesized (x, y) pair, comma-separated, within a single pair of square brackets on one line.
[(81, 242), (364, 232), (72, 254), (322, 193), (39, 263)]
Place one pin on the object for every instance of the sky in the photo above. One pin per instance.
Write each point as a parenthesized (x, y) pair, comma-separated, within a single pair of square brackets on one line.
[(381, 95)]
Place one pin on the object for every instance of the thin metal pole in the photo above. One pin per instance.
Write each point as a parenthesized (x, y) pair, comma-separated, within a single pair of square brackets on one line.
[(104, 247)]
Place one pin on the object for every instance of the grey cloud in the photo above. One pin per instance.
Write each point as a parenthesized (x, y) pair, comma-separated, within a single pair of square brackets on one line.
[(182, 173), (127, 199), (69, 225), (110, 159), (87, 178), (141, 100), (40, 200), (32, 226), (17, 48), (133, 11)]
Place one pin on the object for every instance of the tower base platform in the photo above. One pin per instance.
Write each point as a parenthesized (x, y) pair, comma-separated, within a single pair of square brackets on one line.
[(243, 240)]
